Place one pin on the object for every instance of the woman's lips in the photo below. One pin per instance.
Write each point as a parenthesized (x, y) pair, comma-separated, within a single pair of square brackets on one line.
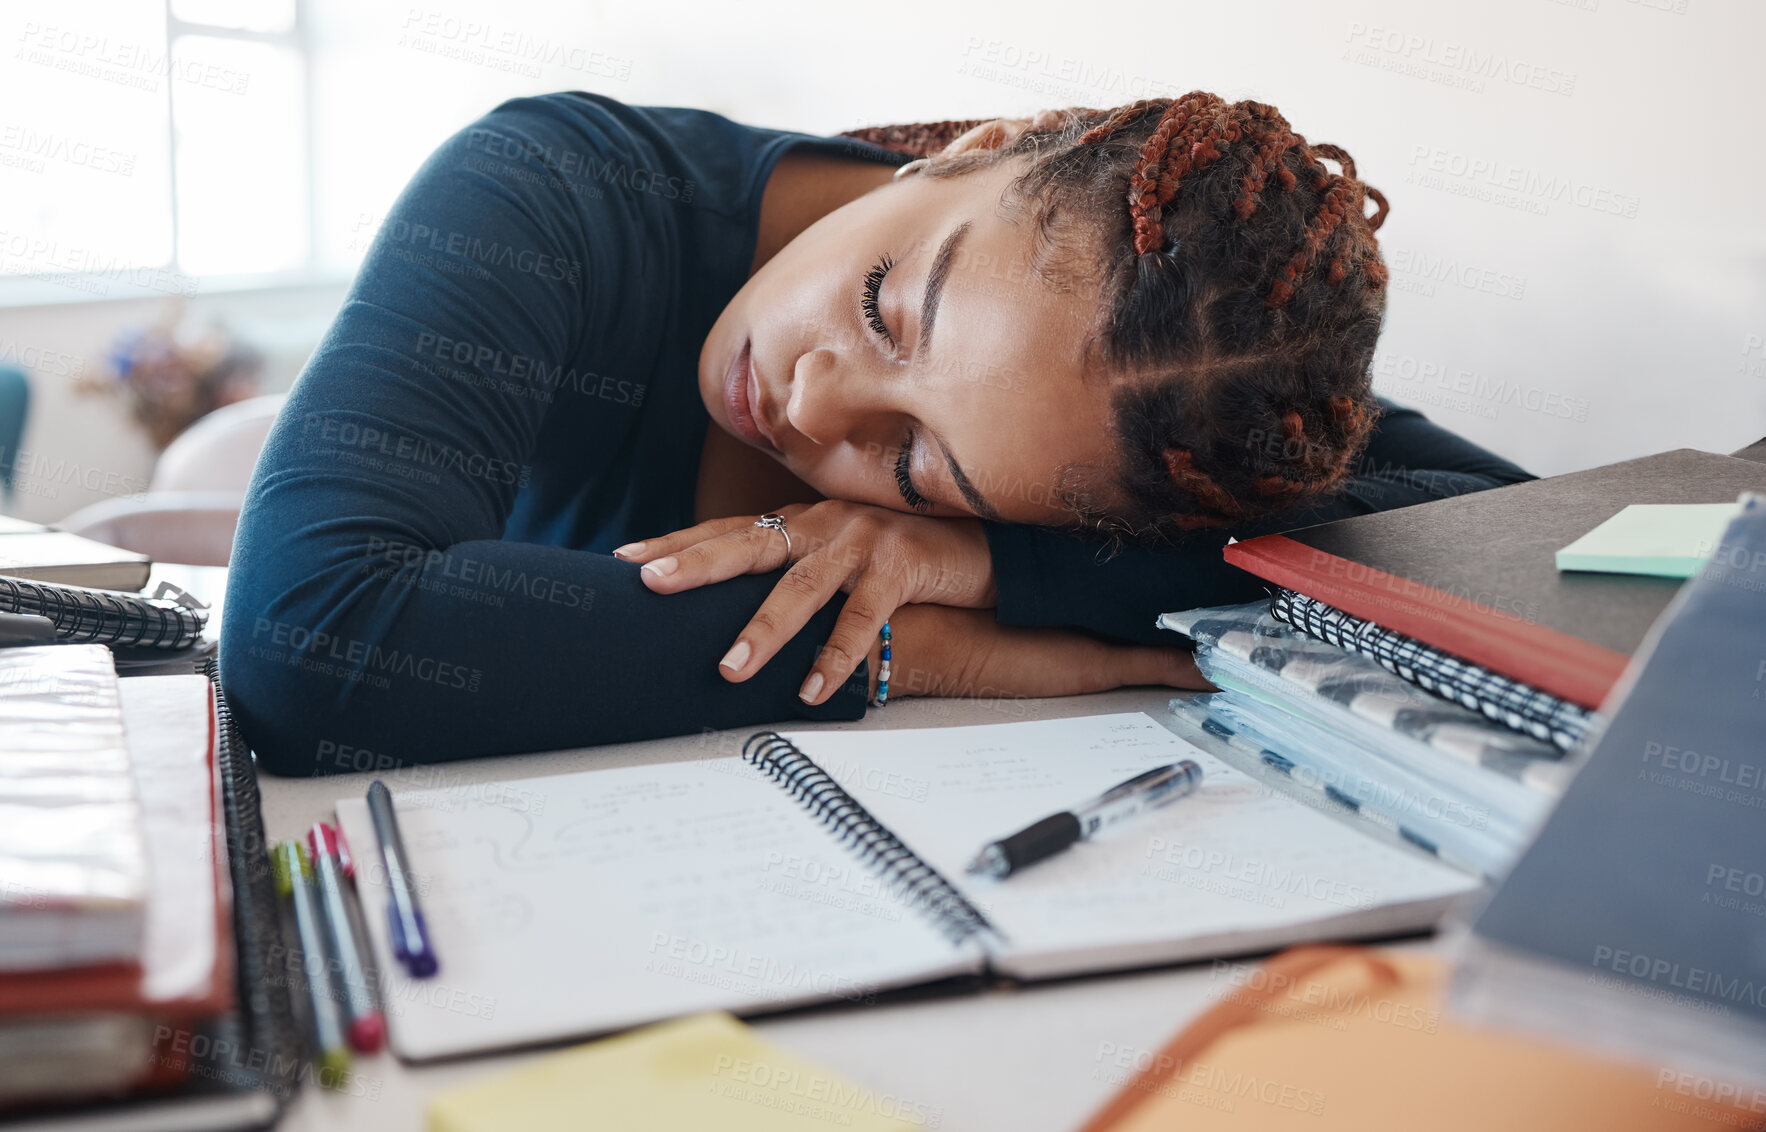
[(742, 399)]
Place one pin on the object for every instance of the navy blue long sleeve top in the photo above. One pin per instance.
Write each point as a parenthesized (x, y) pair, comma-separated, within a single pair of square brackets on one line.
[(421, 569)]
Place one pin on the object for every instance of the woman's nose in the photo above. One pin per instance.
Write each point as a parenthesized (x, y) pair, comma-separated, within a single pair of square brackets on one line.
[(832, 397)]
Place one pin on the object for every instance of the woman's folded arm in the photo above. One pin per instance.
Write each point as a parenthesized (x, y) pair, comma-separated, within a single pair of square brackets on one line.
[(373, 603)]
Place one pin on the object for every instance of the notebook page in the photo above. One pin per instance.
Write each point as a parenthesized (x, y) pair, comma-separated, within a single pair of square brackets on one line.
[(169, 721), (575, 904), (1234, 867)]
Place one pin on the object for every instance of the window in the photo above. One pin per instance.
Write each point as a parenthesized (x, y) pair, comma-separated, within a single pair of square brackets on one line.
[(159, 143)]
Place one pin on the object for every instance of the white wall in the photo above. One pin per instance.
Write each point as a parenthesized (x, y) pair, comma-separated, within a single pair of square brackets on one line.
[(1578, 249), (79, 449)]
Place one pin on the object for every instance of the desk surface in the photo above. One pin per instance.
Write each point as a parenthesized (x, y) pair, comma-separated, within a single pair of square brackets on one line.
[(1021, 1059)]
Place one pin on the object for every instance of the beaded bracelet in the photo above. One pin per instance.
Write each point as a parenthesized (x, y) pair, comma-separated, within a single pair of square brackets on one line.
[(882, 696)]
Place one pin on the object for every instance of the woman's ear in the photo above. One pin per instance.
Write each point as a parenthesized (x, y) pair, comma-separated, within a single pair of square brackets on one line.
[(992, 134), (1000, 132), (988, 135)]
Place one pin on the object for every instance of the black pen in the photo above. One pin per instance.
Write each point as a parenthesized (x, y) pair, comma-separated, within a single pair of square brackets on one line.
[(410, 939), (1058, 831)]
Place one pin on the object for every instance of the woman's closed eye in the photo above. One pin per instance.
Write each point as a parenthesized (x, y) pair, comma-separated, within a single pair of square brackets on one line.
[(904, 481), (870, 304), (870, 300)]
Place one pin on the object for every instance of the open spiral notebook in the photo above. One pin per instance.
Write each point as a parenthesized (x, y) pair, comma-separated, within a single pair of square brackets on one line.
[(828, 865)]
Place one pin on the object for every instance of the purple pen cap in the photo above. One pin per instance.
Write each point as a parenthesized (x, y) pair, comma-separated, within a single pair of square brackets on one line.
[(416, 954)]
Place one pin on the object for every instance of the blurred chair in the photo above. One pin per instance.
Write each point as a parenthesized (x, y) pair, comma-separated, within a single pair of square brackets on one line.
[(191, 506), (15, 405), (218, 452)]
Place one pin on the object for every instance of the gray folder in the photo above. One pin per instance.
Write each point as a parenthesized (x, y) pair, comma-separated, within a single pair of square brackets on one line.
[(1648, 881)]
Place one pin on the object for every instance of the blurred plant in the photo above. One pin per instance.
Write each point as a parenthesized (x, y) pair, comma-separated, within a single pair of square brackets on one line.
[(173, 373)]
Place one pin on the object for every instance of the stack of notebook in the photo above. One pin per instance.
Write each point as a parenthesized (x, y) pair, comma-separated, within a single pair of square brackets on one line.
[(1464, 596), (57, 587), (117, 957), (1439, 775), (1463, 602)]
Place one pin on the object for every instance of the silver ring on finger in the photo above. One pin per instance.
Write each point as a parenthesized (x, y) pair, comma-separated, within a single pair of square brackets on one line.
[(773, 521)]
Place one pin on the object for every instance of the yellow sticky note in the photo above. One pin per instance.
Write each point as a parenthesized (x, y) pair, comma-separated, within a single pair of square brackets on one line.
[(704, 1072)]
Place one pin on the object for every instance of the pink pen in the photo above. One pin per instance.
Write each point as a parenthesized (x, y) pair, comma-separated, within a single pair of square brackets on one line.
[(367, 1026)]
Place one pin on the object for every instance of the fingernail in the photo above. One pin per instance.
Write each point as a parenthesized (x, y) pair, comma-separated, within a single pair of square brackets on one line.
[(811, 687), (629, 550), (662, 567), (736, 657)]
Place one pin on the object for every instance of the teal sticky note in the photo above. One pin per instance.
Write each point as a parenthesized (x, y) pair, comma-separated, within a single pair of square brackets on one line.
[(1669, 540)]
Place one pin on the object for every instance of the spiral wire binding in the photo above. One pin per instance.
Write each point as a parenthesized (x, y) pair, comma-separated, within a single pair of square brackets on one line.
[(82, 614), (855, 827), (1511, 703), (266, 1011)]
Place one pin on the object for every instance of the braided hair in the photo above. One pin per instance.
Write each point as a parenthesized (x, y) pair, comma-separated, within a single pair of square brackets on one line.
[(1241, 284)]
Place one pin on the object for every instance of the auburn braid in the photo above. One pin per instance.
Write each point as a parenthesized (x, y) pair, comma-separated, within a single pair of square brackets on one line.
[(1242, 295), (1195, 139), (917, 140)]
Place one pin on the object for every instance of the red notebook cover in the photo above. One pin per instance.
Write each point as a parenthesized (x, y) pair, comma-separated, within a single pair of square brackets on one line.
[(1476, 575)]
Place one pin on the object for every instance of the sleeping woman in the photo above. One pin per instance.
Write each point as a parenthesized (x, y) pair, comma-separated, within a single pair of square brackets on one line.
[(639, 422)]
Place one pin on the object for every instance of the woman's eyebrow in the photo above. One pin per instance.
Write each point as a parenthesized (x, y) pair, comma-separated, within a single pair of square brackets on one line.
[(982, 507), (947, 254)]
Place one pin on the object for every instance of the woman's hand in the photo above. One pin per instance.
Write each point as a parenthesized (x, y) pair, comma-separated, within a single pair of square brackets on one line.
[(882, 559), (939, 651)]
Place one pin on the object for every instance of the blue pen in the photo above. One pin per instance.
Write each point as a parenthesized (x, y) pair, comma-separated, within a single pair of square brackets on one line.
[(410, 939)]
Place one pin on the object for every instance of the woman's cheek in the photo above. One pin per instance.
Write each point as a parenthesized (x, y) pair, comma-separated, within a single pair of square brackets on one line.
[(860, 474)]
